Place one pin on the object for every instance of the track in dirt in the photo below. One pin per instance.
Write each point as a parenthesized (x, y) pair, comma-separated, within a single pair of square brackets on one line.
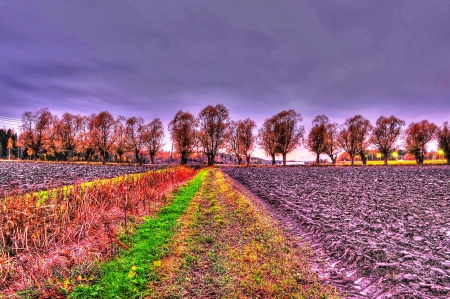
[(384, 231), (15, 176)]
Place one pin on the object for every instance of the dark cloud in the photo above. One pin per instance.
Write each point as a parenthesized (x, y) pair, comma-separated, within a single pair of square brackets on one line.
[(152, 58)]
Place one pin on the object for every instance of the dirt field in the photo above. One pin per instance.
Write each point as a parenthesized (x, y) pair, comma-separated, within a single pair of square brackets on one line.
[(38, 176), (384, 232)]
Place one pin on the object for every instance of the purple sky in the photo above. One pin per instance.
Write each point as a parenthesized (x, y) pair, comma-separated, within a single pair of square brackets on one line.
[(152, 58)]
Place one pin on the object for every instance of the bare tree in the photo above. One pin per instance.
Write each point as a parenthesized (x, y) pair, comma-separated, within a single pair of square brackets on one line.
[(233, 143), (86, 137), (354, 137), (443, 137), (212, 122), (155, 138), (246, 138), (103, 133), (385, 134), (67, 130), (317, 137), (331, 146), (417, 136), (137, 136), (183, 134), (287, 132), (267, 139), (120, 146), (35, 129)]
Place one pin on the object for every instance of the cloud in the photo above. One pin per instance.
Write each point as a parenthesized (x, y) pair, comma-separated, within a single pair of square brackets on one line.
[(257, 57)]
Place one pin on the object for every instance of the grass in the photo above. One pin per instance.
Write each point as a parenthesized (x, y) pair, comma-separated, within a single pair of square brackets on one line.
[(128, 275), (229, 247), (49, 238)]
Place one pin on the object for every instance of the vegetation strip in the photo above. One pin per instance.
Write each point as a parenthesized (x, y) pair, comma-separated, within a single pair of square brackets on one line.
[(228, 247), (127, 276)]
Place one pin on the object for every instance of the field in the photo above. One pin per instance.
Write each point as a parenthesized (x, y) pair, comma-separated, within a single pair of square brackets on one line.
[(25, 177), (55, 238), (381, 232), (167, 233)]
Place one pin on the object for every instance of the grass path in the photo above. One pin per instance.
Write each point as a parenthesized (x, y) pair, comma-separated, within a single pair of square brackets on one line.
[(127, 275), (227, 247)]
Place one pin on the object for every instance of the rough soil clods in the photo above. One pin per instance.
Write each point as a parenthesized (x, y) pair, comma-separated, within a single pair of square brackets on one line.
[(38, 176), (384, 231)]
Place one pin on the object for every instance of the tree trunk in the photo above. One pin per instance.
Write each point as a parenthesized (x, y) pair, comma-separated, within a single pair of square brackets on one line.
[(317, 158), (284, 159), (138, 158), (152, 158), (385, 156), (420, 159), (273, 159), (333, 158), (363, 158), (248, 160), (352, 158), (210, 160), (184, 159)]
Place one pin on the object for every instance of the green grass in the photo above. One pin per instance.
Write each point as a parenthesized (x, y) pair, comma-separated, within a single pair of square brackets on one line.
[(128, 275)]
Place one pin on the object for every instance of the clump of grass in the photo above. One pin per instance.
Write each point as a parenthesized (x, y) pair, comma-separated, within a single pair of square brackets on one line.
[(49, 237), (228, 247), (128, 274)]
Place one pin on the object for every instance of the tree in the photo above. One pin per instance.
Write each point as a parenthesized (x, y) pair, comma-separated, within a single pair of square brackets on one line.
[(246, 138), (67, 130), (9, 147), (443, 137), (183, 134), (86, 140), (385, 134), (267, 139), (120, 145), (233, 143), (317, 137), (103, 133), (7, 136), (288, 134), (417, 136), (212, 122), (155, 138), (35, 129), (353, 137), (331, 144), (137, 133)]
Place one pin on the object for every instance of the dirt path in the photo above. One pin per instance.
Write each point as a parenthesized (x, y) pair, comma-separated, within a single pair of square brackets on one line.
[(228, 247)]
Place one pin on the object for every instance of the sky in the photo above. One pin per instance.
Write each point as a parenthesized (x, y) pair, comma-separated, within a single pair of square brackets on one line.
[(153, 58)]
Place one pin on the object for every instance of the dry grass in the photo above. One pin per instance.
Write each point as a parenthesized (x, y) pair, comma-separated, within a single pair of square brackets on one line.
[(227, 247), (48, 237)]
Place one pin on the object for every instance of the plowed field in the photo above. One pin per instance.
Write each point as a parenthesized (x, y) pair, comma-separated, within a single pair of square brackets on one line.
[(384, 232), (15, 176)]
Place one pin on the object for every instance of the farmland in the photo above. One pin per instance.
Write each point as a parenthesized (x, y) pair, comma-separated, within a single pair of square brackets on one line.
[(382, 232), (175, 232), (37, 176), (49, 238)]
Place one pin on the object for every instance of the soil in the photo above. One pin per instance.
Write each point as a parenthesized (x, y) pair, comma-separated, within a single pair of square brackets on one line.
[(25, 177), (384, 232)]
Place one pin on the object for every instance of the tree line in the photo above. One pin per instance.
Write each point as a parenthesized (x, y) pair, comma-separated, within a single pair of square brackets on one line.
[(211, 131), (357, 135)]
